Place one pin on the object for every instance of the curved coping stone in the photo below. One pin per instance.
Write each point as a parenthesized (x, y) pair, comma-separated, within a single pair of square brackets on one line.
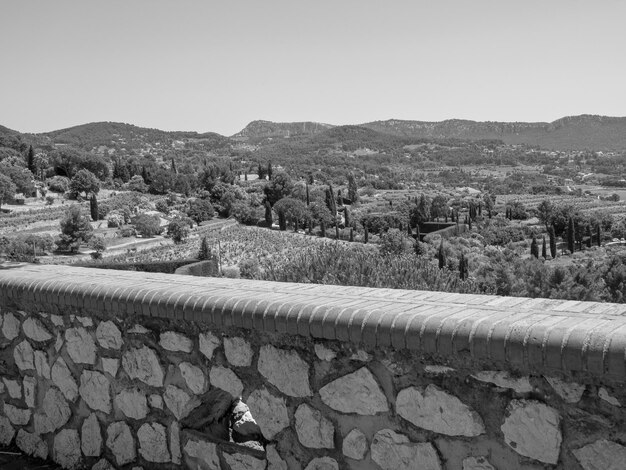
[(539, 335)]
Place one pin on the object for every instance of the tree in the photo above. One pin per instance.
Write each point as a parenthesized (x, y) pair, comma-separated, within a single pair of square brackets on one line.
[(599, 235), (98, 245), (544, 253), (279, 187), (205, 250), (489, 202), (534, 248), (571, 236), (463, 267), (138, 184), (75, 228), (589, 236), (353, 193), (292, 210), (268, 214), (93, 207), (41, 162), (269, 170), (178, 229), (148, 225), (552, 241), (200, 210), (30, 160), (439, 206), (21, 177), (441, 255), (84, 181), (545, 212), (7, 189)]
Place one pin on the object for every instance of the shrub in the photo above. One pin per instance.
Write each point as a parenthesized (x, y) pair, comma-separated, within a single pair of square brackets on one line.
[(98, 245), (148, 225), (59, 184), (178, 229), (49, 200), (126, 231), (200, 210), (75, 228)]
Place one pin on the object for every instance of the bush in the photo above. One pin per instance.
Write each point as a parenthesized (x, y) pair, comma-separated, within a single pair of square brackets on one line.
[(148, 225), (126, 231), (59, 184), (231, 272), (49, 200), (178, 229), (246, 214), (200, 210)]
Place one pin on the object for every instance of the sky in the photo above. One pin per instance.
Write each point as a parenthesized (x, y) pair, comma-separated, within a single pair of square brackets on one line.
[(206, 65)]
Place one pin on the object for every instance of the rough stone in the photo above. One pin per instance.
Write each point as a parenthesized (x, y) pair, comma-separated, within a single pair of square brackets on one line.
[(243, 424), (238, 352), (438, 411), (139, 330), (120, 441), (132, 403), (361, 356), (357, 392), (601, 455), (274, 461), (58, 344), (570, 392), (35, 330), (208, 343), (504, 380), (611, 400), (202, 451), (29, 384), (91, 442), (109, 335), (13, 387), (95, 390), (225, 379), (110, 365), (55, 412), (66, 448), (10, 326), (179, 402), (80, 346), (153, 442), (270, 412), (31, 444), (57, 320), (323, 353), (103, 464), (322, 463), (313, 429), (6, 431), (85, 321), (62, 378), (354, 445), (175, 342), (17, 416), (194, 377), (393, 451), (156, 401), (41, 364), (532, 429), (175, 442), (143, 364), (477, 463), (286, 370), (24, 356), (438, 370), (244, 462)]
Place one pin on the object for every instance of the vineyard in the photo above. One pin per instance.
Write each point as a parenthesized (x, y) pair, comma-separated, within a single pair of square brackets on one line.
[(584, 205)]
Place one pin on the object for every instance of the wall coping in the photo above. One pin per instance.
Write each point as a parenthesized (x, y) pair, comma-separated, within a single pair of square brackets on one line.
[(538, 335)]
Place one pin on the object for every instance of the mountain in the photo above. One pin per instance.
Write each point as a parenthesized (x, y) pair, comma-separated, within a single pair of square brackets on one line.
[(568, 133), (265, 129)]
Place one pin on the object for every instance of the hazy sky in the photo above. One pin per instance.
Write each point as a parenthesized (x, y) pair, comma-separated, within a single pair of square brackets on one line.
[(209, 65)]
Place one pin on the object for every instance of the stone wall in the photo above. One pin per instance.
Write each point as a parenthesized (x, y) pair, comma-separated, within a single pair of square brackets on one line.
[(104, 369)]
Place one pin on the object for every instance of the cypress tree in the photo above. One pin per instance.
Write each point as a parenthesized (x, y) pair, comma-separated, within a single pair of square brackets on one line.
[(174, 169), (336, 232), (470, 224), (480, 209), (409, 232), (268, 214), (589, 236), (351, 234), (441, 256), (417, 233), (352, 189), (570, 235), (30, 160), (598, 235), (346, 213), (534, 248), (366, 235), (295, 225), (93, 207), (323, 228), (269, 170), (552, 242), (205, 251), (308, 197), (544, 252)]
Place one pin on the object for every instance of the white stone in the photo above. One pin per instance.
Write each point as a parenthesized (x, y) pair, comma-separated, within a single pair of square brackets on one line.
[(120, 441), (139, 330), (504, 380), (601, 455), (6, 431), (57, 320), (108, 335), (570, 392), (35, 330), (244, 462), (62, 378), (153, 442), (13, 387), (286, 370), (10, 326), (80, 346), (532, 429), (477, 463), (143, 364), (175, 442), (95, 391), (58, 344), (242, 421), (361, 356), (31, 444), (393, 451), (175, 342), (194, 377), (110, 365), (24, 356), (17, 416), (208, 343), (132, 403), (205, 452), (156, 401), (55, 412), (103, 464), (179, 402), (41, 364), (438, 411), (29, 384), (357, 392), (225, 379), (270, 412), (85, 321), (313, 429), (611, 400), (354, 445), (438, 370), (323, 463), (66, 449), (274, 461), (238, 352), (323, 353), (91, 442)]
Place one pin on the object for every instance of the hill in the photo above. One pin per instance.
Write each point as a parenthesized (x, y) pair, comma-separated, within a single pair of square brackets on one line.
[(264, 129)]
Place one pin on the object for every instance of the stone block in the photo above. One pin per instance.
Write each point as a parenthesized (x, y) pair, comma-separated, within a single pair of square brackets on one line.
[(121, 443), (504, 380), (24, 356), (103, 464), (55, 412), (109, 335), (175, 342), (269, 412), (323, 353), (477, 463), (601, 455), (80, 346), (357, 392), (225, 379), (286, 370), (41, 364), (91, 442), (6, 431), (17, 416), (132, 403), (31, 444), (153, 442), (201, 455), (66, 448), (244, 462), (313, 429), (10, 326), (322, 463), (156, 401), (110, 365), (62, 378), (392, 451), (274, 461), (194, 377), (208, 342), (175, 443), (143, 364), (238, 352), (95, 391), (244, 427), (354, 445), (570, 392), (179, 402), (13, 387), (605, 396), (35, 330), (30, 386)]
